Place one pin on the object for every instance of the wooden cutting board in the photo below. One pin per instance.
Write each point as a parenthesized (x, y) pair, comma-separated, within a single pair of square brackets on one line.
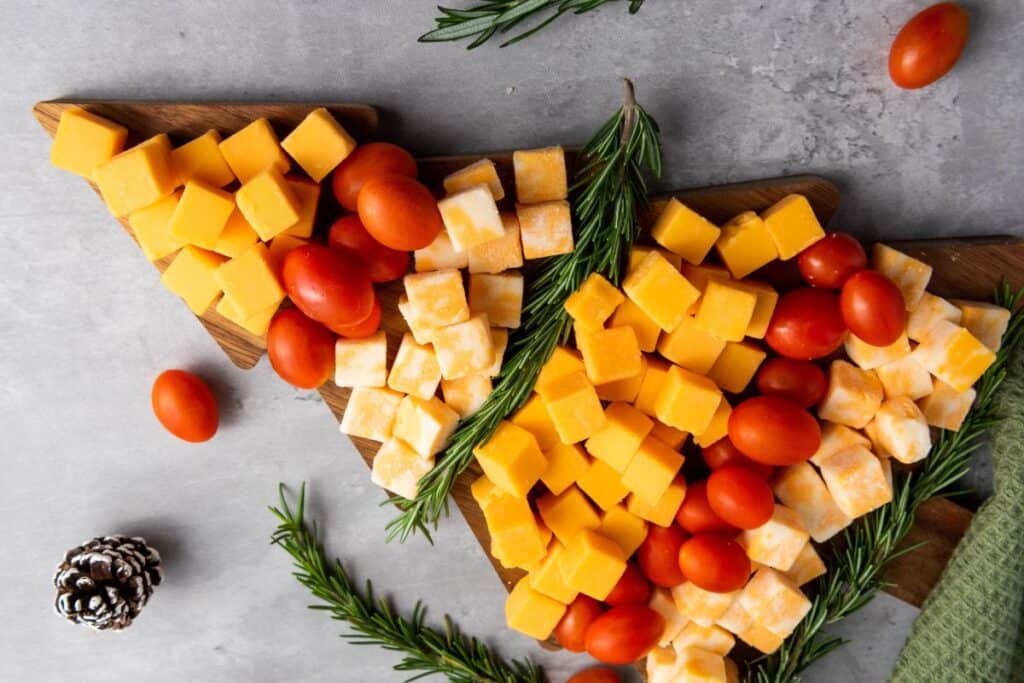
[(963, 268)]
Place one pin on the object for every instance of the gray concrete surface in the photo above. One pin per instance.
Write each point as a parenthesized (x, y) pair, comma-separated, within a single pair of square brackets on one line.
[(742, 90)]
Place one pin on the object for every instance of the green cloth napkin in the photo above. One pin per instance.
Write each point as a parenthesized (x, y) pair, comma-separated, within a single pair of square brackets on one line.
[(971, 628)]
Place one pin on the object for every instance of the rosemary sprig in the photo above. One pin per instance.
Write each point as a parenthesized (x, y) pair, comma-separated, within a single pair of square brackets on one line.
[(856, 567), (500, 16), (609, 191), (451, 653)]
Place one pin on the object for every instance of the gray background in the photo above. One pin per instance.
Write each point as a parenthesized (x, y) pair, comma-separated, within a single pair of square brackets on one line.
[(751, 90)]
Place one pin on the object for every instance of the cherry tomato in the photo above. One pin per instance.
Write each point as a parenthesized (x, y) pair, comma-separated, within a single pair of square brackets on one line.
[(327, 285), (185, 406), (374, 158), (382, 264), (873, 308), (571, 631), (696, 516), (399, 212), (800, 381), (657, 555), (740, 497), (300, 349), (624, 634), (830, 261), (632, 588), (364, 328), (723, 453), (715, 563), (774, 430), (806, 324), (597, 674), (928, 45)]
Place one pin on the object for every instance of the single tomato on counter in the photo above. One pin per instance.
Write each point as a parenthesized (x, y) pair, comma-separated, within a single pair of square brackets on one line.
[(723, 453), (928, 45), (327, 285), (658, 555), (806, 324), (696, 516), (632, 588), (382, 264), (597, 674), (300, 349), (185, 406), (399, 212), (715, 563), (801, 381), (624, 634), (774, 431), (873, 308), (740, 497), (830, 261), (367, 161), (571, 631)]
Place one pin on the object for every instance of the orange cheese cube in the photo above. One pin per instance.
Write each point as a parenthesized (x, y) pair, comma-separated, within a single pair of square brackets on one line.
[(499, 342), (471, 217), (610, 355), (237, 237), (625, 428), (930, 310), (687, 401), (249, 281), (628, 314), (415, 370), (700, 606), (856, 480), (834, 438), (718, 428), (574, 407), (640, 251), (545, 229), (661, 602), (421, 332), (908, 273), (486, 494), (946, 407), (201, 214), (566, 464), (257, 324), (807, 566), (269, 203), (764, 307), (567, 513), (135, 178), (853, 395), (200, 159), (424, 425), (464, 348), (563, 362), (623, 527), (683, 231), (777, 542), (650, 386), (398, 468), (670, 436), (603, 484), (438, 297), (592, 564), (533, 417), (439, 255), (904, 377), (547, 579), (482, 172), (530, 612), (498, 255), (84, 141), (760, 638), (191, 276), (625, 390), (987, 322), (792, 224), (954, 355), (663, 513), (540, 175), (800, 488), (901, 430), (522, 546), (152, 228), (279, 248), (699, 276), (252, 150), (370, 413), (691, 347), (736, 366), (500, 297), (307, 194), (466, 394), (735, 619), (726, 310), (593, 303), (868, 357), (318, 144), (652, 470), (774, 601), (710, 638), (745, 244), (361, 362), (511, 459), (660, 291)]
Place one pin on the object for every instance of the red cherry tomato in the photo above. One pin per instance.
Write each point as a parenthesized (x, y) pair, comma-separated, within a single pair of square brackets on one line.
[(364, 328), (715, 563), (873, 308), (830, 261), (657, 555), (399, 212), (598, 674), (723, 453), (806, 324), (624, 634), (740, 497), (800, 381), (774, 430), (327, 285), (571, 631), (185, 406), (928, 46), (371, 159), (696, 516), (632, 588), (382, 264), (300, 349)]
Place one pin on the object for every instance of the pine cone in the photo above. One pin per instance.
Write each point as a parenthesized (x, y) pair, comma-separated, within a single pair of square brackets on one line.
[(105, 582)]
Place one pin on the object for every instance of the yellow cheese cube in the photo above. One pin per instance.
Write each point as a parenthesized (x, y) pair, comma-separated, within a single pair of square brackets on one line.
[(574, 407), (623, 527), (200, 159), (904, 377), (567, 513), (566, 464), (249, 280), (660, 291), (763, 308), (930, 310), (533, 417), (611, 355), (718, 428), (500, 254), (901, 430), (563, 362), (307, 194), (415, 370), (424, 425), (853, 395), (545, 229), (482, 172), (670, 436), (725, 310), (532, 613), (736, 366), (466, 394), (700, 666), (987, 322), (856, 480), (318, 144), (909, 274), (464, 348), (398, 468), (592, 564), (701, 606), (84, 141), (201, 214), (777, 542), (675, 621), (650, 386), (603, 484), (540, 175), (661, 666), (868, 357), (623, 390), (807, 566), (699, 276), (593, 303), (257, 324), (792, 224), (191, 276), (471, 217), (745, 244), (269, 203), (237, 237), (361, 362), (946, 407), (834, 438), (691, 347), (439, 255), (683, 231), (664, 512), (279, 247), (370, 413), (511, 459), (500, 297), (252, 149), (710, 638), (625, 428), (438, 297), (152, 228), (499, 342), (628, 314), (687, 401), (135, 178), (486, 493), (954, 355), (522, 546), (547, 579), (800, 488), (652, 470), (640, 251), (774, 601)]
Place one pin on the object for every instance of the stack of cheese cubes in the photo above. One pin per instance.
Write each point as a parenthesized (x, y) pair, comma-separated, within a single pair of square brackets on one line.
[(224, 209), (456, 340)]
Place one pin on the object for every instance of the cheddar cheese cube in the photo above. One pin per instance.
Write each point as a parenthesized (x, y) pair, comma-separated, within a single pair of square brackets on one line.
[(471, 217), (700, 276), (954, 355), (946, 407), (499, 342), (485, 493), (777, 542), (566, 464), (792, 224), (415, 370), (774, 601), (640, 251), (853, 395), (464, 348), (540, 175), (421, 332), (687, 401), (532, 613), (987, 322), (807, 566), (201, 214), (547, 578), (361, 362), (501, 254), (904, 377), (482, 172), (191, 275), (930, 310), (545, 229), (623, 390), (567, 513), (438, 297), (279, 248), (84, 141), (249, 280), (424, 424), (603, 484), (623, 527), (439, 255), (466, 394), (625, 428), (252, 150), (834, 438), (398, 468), (675, 621), (135, 178), (574, 407), (909, 274), (152, 228), (701, 606), (736, 366), (307, 194), (691, 347), (268, 202), (650, 386), (502, 511), (237, 237), (628, 314), (563, 362), (801, 489), (710, 638), (200, 159), (370, 413), (660, 291), (663, 513), (257, 323), (697, 665), (718, 428), (683, 231), (745, 244), (672, 437), (594, 302), (610, 354), (511, 459), (652, 470), (533, 417), (592, 564), (869, 357), (902, 430), (523, 546), (856, 480), (764, 307), (726, 310), (500, 297), (318, 144)]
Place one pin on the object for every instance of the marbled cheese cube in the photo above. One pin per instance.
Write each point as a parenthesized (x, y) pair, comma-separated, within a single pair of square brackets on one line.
[(700, 666), (661, 666), (834, 438), (438, 297), (664, 512), (415, 370), (660, 291), (735, 619), (902, 431), (691, 347), (725, 310), (760, 638), (398, 468), (623, 527), (464, 348), (792, 224), (904, 377), (701, 606), (545, 229), (807, 567), (628, 314), (946, 407), (853, 395), (869, 357), (777, 542), (954, 355), (530, 612), (471, 217), (987, 322), (361, 362), (736, 366), (774, 601), (540, 174), (439, 255), (466, 394), (481, 172), (499, 342), (504, 253), (683, 231), (610, 354), (661, 602), (500, 297), (856, 481), (745, 244), (909, 274), (799, 487), (930, 310), (593, 303), (422, 333), (511, 459), (370, 413), (710, 638), (425, 425)]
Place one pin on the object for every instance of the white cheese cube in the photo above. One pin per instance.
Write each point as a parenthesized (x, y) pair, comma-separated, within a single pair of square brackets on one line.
[(774, 602), (856, 480), (398, 469), (800, 488), (415, 370), (699, 605), (504, 253), (370, 413), (834, 438), (735, 619), (777, 542), (471, 217), (909, 274), (466, 394), (500, 297), (868, 357), (905, 377), (662, 666), (946, 407), (661, 602), (545, 229), (499, 342), (540, 174), (438, 297), (987, 322), (930, 310), (700, 666), (424, 425), (954, 355), (901, 430), (464, 348), (807, 567), (422, 333), (853, 395), (439, 255), (711, 638), (361, 362)]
